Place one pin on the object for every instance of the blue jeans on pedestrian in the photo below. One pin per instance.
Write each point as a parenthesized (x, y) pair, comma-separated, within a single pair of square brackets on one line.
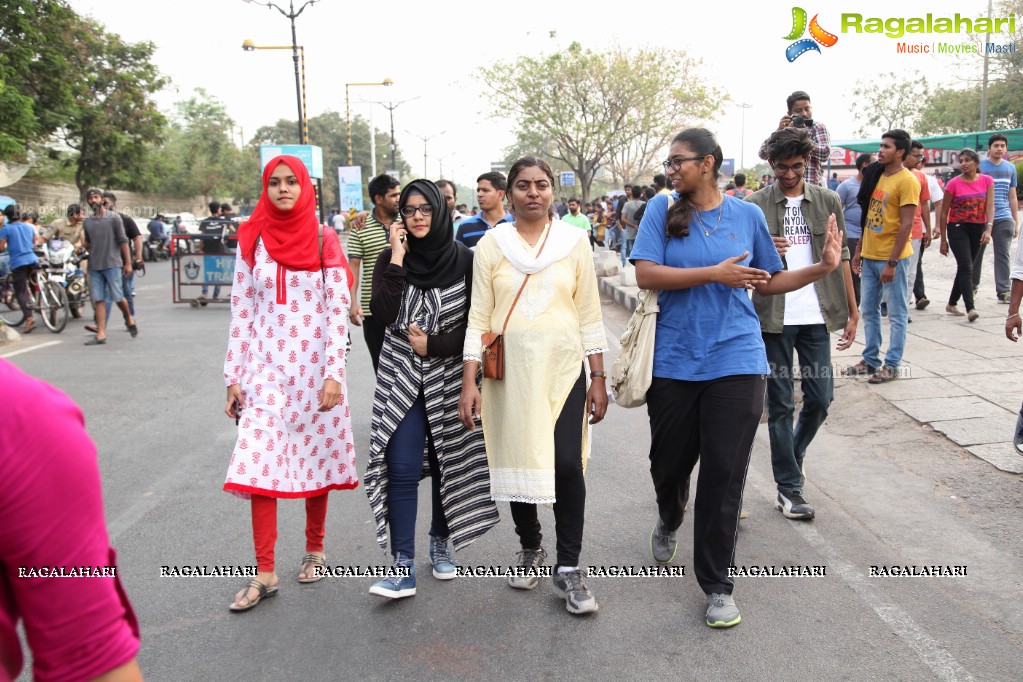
[(896, 292), (627, 250), (404, 458), (216, 290), (812, 344), (128, 289)]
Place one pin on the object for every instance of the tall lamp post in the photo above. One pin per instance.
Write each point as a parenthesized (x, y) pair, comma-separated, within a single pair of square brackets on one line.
[(348, 110), (291, 14), (303, 122), (742, 136), (426, 139)]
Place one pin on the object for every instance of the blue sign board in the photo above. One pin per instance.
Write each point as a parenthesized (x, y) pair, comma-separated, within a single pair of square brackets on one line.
[(310, 155), (200, 269), (349, 180), (567, 178), (727, 168)]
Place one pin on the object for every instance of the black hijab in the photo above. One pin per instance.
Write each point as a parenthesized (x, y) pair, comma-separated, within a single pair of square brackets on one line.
[(436, 260)]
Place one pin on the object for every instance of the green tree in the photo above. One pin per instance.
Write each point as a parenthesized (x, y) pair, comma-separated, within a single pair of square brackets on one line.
[(203, 158), (115, 120), (602, 108), (889, 101), (39, 66)]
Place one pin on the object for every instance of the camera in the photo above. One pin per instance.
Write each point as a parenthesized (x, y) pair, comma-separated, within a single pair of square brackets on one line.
[(798, 121)]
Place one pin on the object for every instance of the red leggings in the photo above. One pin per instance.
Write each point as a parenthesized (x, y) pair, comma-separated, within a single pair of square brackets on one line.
[(264, 527)]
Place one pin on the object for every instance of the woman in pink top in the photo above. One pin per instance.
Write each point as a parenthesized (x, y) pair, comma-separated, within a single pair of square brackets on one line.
[(59, 572), (965, 225)]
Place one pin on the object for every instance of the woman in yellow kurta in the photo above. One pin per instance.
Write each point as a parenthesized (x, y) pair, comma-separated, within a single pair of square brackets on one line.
[(534, 419)]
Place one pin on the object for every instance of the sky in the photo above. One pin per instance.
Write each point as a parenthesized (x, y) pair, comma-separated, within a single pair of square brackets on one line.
[(433, 51)]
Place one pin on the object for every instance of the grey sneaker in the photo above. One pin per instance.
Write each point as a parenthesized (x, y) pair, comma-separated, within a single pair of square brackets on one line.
[(793, 506), (663, 544), (528, 559), (722, 611), (570, 587)]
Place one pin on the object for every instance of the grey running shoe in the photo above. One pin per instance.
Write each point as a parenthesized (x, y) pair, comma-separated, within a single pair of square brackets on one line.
[(529, 560), (570, 587), (722, 611), (793, 506), (663, 544)]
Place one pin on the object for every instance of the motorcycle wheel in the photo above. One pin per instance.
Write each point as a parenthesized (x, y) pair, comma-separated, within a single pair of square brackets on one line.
[(53, 305), (76, 310), (147, 253)]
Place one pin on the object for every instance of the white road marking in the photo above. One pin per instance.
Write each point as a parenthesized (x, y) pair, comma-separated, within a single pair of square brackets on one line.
[(940, 661), (29, 350)]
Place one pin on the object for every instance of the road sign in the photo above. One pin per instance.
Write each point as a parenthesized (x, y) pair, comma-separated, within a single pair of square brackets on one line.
[(498, 167), (310, 155), (567, 178)]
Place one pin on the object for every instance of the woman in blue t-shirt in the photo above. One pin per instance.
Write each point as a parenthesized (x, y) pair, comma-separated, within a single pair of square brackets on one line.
[(704, 251)]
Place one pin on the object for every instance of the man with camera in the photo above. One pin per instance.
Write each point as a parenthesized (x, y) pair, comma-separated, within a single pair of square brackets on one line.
[(800, 115)]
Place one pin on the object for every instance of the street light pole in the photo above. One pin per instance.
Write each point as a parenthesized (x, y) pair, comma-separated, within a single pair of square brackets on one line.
[(297, 55), (426, 139), (348, 111), (742, 136)]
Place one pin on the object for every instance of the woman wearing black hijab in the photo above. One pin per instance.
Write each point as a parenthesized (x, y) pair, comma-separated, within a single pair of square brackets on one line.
[(421, 291)]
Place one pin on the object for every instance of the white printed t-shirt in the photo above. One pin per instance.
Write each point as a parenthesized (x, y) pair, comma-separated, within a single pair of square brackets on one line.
[(801, 305)]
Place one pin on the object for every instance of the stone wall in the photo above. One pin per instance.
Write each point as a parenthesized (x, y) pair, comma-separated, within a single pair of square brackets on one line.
[(51, 199)]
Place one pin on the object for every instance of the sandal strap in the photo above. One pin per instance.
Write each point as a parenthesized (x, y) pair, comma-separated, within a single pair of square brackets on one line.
[(314, 559), (258, 587)]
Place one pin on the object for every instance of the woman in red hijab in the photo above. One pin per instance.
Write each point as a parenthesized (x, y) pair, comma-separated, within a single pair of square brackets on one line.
[(285, 370)]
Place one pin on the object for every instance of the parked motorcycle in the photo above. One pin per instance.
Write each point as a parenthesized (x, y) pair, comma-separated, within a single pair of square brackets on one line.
[(63, 267), (154, 250)]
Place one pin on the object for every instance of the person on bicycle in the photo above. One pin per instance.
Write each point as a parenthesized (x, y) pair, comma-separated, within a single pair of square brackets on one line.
[(19, 238)]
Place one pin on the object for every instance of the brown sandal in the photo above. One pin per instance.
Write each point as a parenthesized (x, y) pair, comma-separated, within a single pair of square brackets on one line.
[(262, 592), (884, 375), (313, 560), (860, 369)]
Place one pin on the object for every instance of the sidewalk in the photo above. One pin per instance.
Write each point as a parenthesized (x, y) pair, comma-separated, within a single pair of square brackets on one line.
[(962, 379)]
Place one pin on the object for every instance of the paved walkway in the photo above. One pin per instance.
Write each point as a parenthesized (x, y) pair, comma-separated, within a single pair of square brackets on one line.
[(962, 379)]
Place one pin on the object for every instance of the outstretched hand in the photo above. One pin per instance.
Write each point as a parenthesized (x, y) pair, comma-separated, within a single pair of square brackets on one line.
[(731, 274), (831, 256)]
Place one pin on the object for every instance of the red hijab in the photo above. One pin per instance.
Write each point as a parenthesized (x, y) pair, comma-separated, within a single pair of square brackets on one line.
[(290, 236)]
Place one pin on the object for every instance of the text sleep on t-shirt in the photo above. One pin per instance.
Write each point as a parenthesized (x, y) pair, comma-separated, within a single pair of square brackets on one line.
[(802, 305)]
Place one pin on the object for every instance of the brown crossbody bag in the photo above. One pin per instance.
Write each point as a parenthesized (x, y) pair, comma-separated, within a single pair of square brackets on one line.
[(493, 343)]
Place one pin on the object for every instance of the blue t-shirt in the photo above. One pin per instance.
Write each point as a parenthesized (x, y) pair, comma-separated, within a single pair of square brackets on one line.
[(709, 331), (1004, 175), (847, 192), (20, 239)]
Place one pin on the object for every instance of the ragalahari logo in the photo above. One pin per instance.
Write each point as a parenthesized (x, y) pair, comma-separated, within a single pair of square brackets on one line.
[(818, 35)]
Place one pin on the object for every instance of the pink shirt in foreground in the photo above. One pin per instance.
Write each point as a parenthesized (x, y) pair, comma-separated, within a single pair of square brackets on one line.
[(51, 516)]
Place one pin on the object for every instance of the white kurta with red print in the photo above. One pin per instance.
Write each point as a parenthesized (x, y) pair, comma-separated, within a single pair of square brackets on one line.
[(281, 354)]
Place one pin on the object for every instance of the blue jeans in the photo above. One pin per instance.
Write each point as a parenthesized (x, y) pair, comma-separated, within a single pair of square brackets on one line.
[(128, 289), (216, 290), (404, 458), (614, 236), (788, 446), (627, 250), (896, 291)]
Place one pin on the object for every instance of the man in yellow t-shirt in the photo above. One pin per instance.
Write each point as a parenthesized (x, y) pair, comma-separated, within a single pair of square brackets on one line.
[(882, 258)]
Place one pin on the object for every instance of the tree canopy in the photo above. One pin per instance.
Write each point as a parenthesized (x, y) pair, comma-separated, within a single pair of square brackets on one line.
[(592, 109)]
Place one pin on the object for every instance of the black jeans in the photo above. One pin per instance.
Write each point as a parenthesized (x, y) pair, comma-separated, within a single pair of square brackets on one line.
[(714, 422), (374, 331), (569, 485), (918, 282), (19, 277), (964, 242)]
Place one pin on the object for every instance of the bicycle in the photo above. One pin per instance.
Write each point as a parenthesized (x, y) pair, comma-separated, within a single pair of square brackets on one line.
[(47, 298)]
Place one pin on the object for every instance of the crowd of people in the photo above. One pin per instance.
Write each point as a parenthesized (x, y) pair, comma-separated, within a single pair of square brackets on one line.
[(487, 340)]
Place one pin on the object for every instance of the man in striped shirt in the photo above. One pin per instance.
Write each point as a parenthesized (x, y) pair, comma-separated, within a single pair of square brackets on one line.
[(364, 246)]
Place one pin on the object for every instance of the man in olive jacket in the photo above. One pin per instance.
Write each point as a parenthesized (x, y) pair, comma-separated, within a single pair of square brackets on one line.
[(797, 215)]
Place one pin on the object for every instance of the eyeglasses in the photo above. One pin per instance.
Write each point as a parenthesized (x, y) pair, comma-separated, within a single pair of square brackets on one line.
[(409, 211), (797, 168), (674, 164)]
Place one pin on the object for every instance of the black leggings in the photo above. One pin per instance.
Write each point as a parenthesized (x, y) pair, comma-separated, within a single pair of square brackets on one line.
[(569, 485), (20, 277), (964, 241), (714, 422)]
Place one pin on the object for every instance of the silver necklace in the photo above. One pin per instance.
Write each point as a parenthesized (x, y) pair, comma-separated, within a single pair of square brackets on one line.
[(707, 233)]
